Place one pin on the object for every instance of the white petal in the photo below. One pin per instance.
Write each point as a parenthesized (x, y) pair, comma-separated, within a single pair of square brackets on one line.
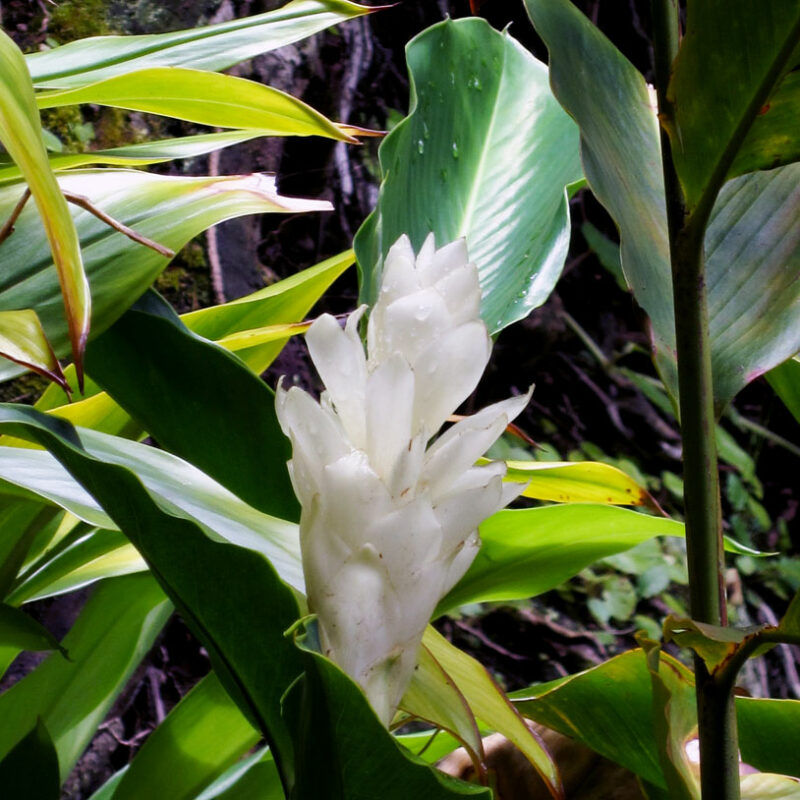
[(464, 443), (389, 406), (410, 324), (446, 259), (339, 358), (461, 291), (460, 513), (425, 258), (447, 372), (461, 562)]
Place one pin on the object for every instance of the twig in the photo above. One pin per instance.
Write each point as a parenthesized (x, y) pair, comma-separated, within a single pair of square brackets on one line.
[(87, 205), (8, 225), (212, 243)]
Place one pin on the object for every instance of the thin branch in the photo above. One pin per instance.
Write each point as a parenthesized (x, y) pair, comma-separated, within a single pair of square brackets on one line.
[(8, 225), (87, 205)]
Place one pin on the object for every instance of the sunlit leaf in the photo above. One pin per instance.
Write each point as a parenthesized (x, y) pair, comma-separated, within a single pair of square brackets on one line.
[(114, 631), (499, 181), (201, 737), (21, 631), (207, 98), (214, 47), (21, 135), (23, 341), (785, 380), (490, 704), (168, 210)]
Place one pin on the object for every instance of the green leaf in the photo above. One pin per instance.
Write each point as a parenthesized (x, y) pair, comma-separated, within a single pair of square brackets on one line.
[(609, 708), (115, 629), (342, 750), (20, 631), (179, 488), (23, 341), (434, 696), (772, 140), (517, 228), (253, 778), (529, 551), (206, 98), (200, 738), (20, 521), (21, 135), (169, 210), (31, 768), (287, 301), (753, 287), (198, 401), (91, 557), (785, 380), (222, 591), (489, 703), (769, 734), (713, 643), (142, 154), (214, 47), (577, 482), (675, 721), (727, 67)]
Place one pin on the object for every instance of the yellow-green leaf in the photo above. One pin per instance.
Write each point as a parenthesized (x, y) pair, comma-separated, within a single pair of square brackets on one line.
[(21, 134), (207, 98), (490, 704), (23, 341), (577, 482)]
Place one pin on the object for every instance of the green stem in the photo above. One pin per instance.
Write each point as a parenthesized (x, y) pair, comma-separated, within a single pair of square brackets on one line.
[(716, 718)]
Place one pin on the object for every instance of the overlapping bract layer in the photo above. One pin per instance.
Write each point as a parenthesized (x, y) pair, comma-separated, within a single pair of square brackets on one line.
[(389, 525)]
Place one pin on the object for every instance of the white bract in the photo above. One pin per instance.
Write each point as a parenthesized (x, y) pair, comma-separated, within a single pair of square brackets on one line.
[(388, 524)]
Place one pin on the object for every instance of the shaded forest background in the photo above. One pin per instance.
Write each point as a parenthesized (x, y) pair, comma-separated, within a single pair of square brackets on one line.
[(580, 350)]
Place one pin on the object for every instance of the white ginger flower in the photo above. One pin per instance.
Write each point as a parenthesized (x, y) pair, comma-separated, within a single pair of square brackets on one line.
[(389, 525)]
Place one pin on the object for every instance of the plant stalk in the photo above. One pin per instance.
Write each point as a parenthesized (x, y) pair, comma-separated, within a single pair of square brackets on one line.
[(716, 716)]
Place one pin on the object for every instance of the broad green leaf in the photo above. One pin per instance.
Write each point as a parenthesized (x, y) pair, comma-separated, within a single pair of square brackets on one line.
[(203, 97), (753, 241), (772, 140), (23, 341), (785, 380), (769, 734), (142, 154), (31, 768), (577, 482), (753, 274), (115, 629), (253, 778), (609, 708), (157, 369), (222, 591), (23, 632), (178, 487), (199, 739), (727, 67), (214, 47), (169, 210), (21, 135), (529, 551), (342, 751), (36, 473), (434, 696), (490, 704), (499, 180)]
